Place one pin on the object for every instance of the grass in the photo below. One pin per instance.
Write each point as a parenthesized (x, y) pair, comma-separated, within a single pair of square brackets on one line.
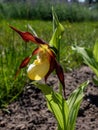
[(82, 34), (13, 50), (42, 10)]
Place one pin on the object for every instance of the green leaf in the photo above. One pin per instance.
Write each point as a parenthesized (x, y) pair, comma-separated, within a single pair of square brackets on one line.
[(74, 102), (86, 54), (95, 51), (32, 30), (44, 88), (64, 111), (88, 57), (95, 80), (77, 94), (58, 106)]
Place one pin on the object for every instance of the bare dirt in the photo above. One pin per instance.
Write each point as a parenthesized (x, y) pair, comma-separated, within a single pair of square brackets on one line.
[(30, 111)]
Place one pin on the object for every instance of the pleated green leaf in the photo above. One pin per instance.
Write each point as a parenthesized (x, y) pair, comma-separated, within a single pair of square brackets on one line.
[(65, 111), (89, 58), (95, 51), (74, 102), (56, 104)]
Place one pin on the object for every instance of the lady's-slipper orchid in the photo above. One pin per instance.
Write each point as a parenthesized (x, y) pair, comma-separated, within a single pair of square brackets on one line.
[(45, 63)]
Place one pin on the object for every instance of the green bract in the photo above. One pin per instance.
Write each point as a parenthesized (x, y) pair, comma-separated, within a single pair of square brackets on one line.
[(58, 30)]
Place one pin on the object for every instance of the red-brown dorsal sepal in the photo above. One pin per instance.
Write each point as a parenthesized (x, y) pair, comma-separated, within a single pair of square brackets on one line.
[(26, 36)]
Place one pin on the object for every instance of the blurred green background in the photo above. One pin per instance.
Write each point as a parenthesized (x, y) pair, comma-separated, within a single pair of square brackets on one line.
[(80, 20)]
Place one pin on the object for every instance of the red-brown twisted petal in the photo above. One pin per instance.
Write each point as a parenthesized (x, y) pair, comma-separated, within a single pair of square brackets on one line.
[(26, 36), (51, 53), (51, 69), (36, 51), (25, 62), (52, 63), (60, 74)]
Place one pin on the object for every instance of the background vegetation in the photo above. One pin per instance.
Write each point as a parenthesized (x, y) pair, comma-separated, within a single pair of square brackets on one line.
[(79, 30), (42, 10)]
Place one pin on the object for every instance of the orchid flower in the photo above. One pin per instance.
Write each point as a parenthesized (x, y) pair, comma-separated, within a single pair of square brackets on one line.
[(45, 62)]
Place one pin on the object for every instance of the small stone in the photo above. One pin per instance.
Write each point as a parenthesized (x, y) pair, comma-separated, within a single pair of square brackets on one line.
[(2, 123), (21, 127)]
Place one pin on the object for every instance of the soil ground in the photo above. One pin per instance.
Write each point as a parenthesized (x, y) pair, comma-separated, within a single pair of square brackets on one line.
[(30, 112)]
